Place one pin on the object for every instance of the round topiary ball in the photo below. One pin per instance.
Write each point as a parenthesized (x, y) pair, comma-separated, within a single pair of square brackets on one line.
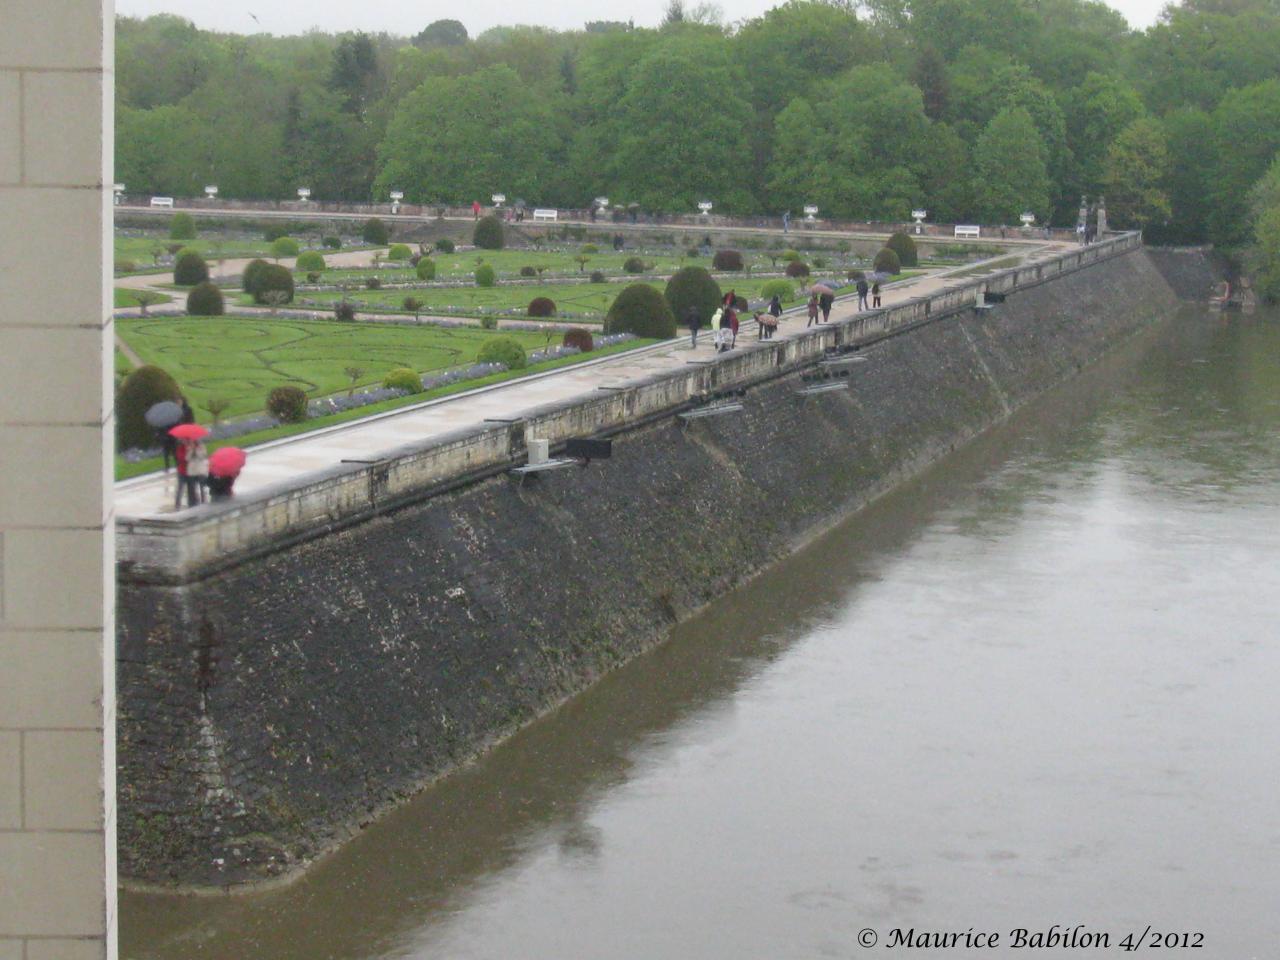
[(426, 269), (284, 247), (205, 300), (310, 261), (727, 260), (399, 251), (797, 268), (528, 271), (642, 310), (489, 234), (692, 286), (597, 276), (190, 269), (287, 404), (901, 244), (375, 232), (485, 275), (887, 261), (252, 274), (579, 338), (403, 378), (273, 285), (182, 227), (633, 265), (542, 307), (141, 390), (445, 245), (503, 350)]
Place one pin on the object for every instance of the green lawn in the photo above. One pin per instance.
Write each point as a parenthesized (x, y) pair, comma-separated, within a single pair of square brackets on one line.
[(129, 298), (241, 360)]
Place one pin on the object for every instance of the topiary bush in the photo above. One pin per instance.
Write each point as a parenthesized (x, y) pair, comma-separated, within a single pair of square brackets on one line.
[(375, 232), (503, 350), (580, 338), (781, 289), (542, 307), (287, 404), (597, 276), (274, 231), (488, 234), (205, 300), (528, 271), (727, 260), (284, 247), (310, 261), (642, 310), (273, 277), (332, 243), (887, 261), (252, 274), (692, 286), (399, 251), (141, 390), (182, 227), (426, 269), (797, 268), (488, 323), (485, 275), (905, 248), (190, 269), (790, 255), (402, 378), (373, 283), (412, 304), (344, 311), (693, 253), (633, 265), (589, 248), (445, 245)]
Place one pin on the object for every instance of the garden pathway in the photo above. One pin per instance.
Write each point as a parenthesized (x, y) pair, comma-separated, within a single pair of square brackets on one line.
[(293, 458)]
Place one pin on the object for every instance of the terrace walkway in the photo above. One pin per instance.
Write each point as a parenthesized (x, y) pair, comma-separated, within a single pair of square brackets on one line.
[(371, 438)]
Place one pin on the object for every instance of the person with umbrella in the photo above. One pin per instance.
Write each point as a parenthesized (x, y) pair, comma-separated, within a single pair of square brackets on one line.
[(161, 416), (224, 466), (775, 308), (813, 309), (187, 434), (825, 299)]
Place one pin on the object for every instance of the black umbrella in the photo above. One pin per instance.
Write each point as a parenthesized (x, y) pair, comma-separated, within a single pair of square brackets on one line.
[(164, 414)]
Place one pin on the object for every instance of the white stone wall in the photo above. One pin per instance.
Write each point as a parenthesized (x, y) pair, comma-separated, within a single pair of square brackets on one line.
[(57, 739)]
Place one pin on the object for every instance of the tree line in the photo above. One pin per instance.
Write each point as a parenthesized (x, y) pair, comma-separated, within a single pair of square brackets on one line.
[(974, 109)]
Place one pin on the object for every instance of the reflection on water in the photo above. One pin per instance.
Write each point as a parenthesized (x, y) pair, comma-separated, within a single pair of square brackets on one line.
[(1033, 687)]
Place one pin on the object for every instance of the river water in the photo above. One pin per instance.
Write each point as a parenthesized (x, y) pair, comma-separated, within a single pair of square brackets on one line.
[(1036, 686)]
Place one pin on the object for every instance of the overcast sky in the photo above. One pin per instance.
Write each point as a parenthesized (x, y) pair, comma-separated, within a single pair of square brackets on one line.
[(407, 18)]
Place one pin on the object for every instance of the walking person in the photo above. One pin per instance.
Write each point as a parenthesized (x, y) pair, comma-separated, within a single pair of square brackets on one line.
[(475, 209), (715, 328), (775, 308), (875, 294), (733, 327), (693, 318), (197, 470), (813, 310), (824, 302), (185, 480), (862, 294)]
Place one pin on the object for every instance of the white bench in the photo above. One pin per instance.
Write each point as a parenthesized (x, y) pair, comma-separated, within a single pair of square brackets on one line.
[(162, 202), (968, 232), (546, 214)]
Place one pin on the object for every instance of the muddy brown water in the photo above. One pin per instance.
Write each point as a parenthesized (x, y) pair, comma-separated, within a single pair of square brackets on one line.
[(1036, 686)]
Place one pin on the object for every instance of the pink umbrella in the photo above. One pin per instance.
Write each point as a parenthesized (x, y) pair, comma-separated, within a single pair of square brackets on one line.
[(820, 288), (189, 431), (226, 462)]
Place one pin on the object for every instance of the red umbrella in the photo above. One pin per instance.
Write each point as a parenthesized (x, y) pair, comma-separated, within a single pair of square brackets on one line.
[(189, 431), (226, 462)]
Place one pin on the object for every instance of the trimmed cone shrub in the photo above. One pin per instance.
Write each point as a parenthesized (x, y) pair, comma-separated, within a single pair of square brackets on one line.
[(273, 277), (399, 251), (642, 310), (485, 275), (284, 247), (310, 261), (542, 307), (489, 234), (580, 338), (503, 350), (692, 286), (190, 269), (887, 261), (375, 232), (332, 243), (287, 404), (141, 390), (727, 260), (402, 378), (445, 245), (182, 227), (252, 274), (797, 268), (781, 289), (528, 271), (426, 269), (905, 248), (597, 276), (633, 265), (205, 300)]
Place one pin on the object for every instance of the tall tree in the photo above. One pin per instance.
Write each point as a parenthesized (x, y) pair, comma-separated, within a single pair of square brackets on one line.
[(441, 33), (1247, 125), (1011, 173), (1136, 171)]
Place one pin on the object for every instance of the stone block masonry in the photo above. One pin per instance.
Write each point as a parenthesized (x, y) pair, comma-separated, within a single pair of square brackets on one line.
[(271, 706)]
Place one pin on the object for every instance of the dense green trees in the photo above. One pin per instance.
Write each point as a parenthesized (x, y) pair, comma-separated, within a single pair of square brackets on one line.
[(975, 109)]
